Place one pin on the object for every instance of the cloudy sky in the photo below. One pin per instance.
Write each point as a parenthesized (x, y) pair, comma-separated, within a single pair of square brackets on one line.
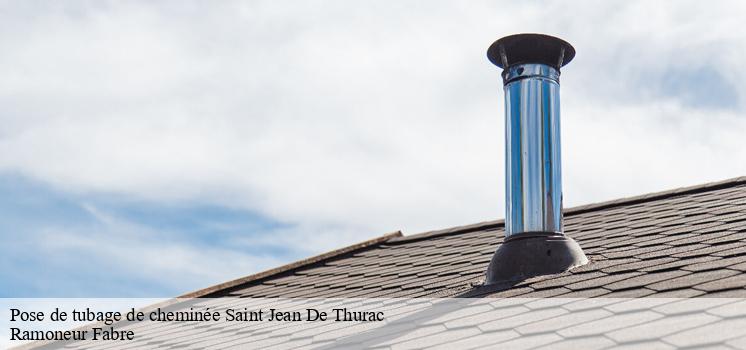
[(150, 149)]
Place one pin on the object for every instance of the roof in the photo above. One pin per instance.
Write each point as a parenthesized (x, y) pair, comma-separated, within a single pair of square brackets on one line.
[(679, 243)]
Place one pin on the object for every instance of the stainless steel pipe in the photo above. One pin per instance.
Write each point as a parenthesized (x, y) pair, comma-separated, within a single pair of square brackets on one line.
[(533, 162)]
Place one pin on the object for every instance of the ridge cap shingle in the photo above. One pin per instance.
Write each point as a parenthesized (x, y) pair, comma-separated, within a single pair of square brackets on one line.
[(705, 187), (222, 287)]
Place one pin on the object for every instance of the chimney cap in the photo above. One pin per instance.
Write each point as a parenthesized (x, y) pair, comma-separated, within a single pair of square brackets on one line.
[(530, 48)]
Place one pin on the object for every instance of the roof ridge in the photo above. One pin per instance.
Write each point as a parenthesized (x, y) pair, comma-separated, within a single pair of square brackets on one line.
[(206, 292), (708, 186), (448, 231)]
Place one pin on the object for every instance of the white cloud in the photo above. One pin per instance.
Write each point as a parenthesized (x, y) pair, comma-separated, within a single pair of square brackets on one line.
[(354, 120)]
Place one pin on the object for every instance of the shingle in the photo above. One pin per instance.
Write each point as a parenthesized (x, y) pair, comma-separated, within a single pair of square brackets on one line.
[(601, 281), (548, 293), (711, 250), (587, 293), (630, 293), (481, 318), (565, 280), (647, 345), (691, 280), (723, 237), (711, 333), (435, 339), (601, 326), (696, 238), (644, 280), (677, 293), (716, 264), (738, 250), (648, 231), (690, 306), (733, 218), (661, 328), (733, 282), (731, 293), (739, 267), (530, 341), (691, 227), (677, 264), (513, 322), (622, 241), (670, 240), (597, 265), (507, 293), (637, 252), (562, 321), (478, 341), (638, 265), (674, 251)]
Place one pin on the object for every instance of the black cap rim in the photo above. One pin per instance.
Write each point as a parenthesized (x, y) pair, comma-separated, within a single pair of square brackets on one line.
[(530, 48)]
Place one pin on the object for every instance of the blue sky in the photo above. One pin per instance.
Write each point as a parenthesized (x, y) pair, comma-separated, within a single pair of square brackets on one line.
[(56, 244), (147, 150)]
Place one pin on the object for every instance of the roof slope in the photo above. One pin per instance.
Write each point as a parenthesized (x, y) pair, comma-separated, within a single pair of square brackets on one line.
[(680, 243)]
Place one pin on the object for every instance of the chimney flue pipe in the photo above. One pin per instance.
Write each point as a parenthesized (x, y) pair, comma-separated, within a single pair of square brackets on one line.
[(533, 172), (534, 240)]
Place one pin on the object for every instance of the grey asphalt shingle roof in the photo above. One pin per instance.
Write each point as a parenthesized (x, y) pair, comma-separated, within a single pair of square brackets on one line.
[(688, 242), (679, 243), (459, 323)]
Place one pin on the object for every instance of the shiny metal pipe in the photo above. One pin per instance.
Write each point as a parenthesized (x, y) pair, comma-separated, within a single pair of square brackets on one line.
[(533, 167), (534, 244)]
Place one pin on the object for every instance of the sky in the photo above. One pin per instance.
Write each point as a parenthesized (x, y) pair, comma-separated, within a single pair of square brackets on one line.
[(148, 149)]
